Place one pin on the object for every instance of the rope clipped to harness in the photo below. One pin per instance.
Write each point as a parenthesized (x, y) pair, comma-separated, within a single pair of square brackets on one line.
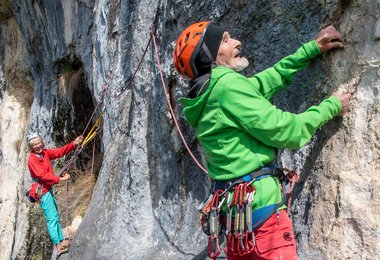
[(292, 176)]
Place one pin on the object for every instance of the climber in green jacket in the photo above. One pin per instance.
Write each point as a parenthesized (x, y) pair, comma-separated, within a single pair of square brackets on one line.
[(238, 127)]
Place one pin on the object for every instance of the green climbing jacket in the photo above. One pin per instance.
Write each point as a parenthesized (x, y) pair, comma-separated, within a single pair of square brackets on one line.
[(240, 130)]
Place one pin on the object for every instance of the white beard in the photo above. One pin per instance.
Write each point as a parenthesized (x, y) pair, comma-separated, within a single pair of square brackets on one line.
[(241, 64)]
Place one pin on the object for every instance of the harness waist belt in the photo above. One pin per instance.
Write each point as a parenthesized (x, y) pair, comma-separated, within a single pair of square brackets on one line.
[(261, 215), (256, 175)]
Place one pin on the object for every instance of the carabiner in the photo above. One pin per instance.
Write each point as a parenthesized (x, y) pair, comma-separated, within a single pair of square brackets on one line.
[(213, 243)]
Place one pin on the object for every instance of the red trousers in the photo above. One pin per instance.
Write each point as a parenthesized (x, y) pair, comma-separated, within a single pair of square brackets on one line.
[(274, 240)]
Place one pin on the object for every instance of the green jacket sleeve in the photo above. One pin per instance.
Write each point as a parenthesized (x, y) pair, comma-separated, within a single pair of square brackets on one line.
[(247, 108), (283, 72)]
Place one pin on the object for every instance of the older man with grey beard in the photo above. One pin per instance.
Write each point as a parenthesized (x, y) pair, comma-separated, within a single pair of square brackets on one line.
[(240, 130)]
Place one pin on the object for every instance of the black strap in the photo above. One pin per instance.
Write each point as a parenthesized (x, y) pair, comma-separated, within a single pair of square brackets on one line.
[(199, 86)]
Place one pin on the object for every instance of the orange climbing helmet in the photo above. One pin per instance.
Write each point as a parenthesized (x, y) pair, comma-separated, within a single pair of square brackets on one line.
[(196, 49)]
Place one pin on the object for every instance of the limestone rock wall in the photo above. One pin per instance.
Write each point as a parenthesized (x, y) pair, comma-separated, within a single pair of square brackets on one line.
[(16, 97), (335, 211), (144, 203)]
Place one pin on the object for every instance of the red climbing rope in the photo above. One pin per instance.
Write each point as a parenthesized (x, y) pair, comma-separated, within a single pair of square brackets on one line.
[(170, 106), (293, 177)]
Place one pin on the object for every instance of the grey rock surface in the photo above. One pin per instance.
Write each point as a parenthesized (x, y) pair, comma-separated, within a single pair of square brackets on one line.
[(144, 205)]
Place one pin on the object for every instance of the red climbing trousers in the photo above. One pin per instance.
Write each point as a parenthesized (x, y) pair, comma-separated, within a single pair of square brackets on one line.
[(274, 240)]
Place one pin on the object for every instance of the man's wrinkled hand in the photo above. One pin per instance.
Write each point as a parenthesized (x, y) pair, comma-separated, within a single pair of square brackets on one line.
[(344, 98), (329, 38)]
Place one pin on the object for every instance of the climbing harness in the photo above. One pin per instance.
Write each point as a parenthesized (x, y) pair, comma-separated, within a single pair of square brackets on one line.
[(37, 188), (228, 212)]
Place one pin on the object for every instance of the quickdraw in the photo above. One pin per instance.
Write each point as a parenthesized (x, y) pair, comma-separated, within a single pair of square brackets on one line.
[(237, 237), (213, 247)]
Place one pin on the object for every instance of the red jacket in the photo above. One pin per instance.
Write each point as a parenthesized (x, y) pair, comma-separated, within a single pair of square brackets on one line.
[(41, 168)]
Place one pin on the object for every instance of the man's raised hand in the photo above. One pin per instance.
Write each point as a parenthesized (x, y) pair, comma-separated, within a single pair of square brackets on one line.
[(329, 38)]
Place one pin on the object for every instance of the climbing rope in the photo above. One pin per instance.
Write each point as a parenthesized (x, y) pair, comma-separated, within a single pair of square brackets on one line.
[(97, 126), (90, 135), (106, 90), (152, 35), (238, 226), (94, 130), (292, 176), (67, 204)]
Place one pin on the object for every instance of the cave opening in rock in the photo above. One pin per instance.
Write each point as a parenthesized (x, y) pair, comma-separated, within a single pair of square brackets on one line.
[(73, 110)]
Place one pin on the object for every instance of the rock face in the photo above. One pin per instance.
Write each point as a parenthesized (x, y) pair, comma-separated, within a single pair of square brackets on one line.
[(16, 97), (144, 203)]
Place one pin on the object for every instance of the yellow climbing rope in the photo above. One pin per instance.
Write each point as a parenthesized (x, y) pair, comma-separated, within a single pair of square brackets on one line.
[(94, 130)]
